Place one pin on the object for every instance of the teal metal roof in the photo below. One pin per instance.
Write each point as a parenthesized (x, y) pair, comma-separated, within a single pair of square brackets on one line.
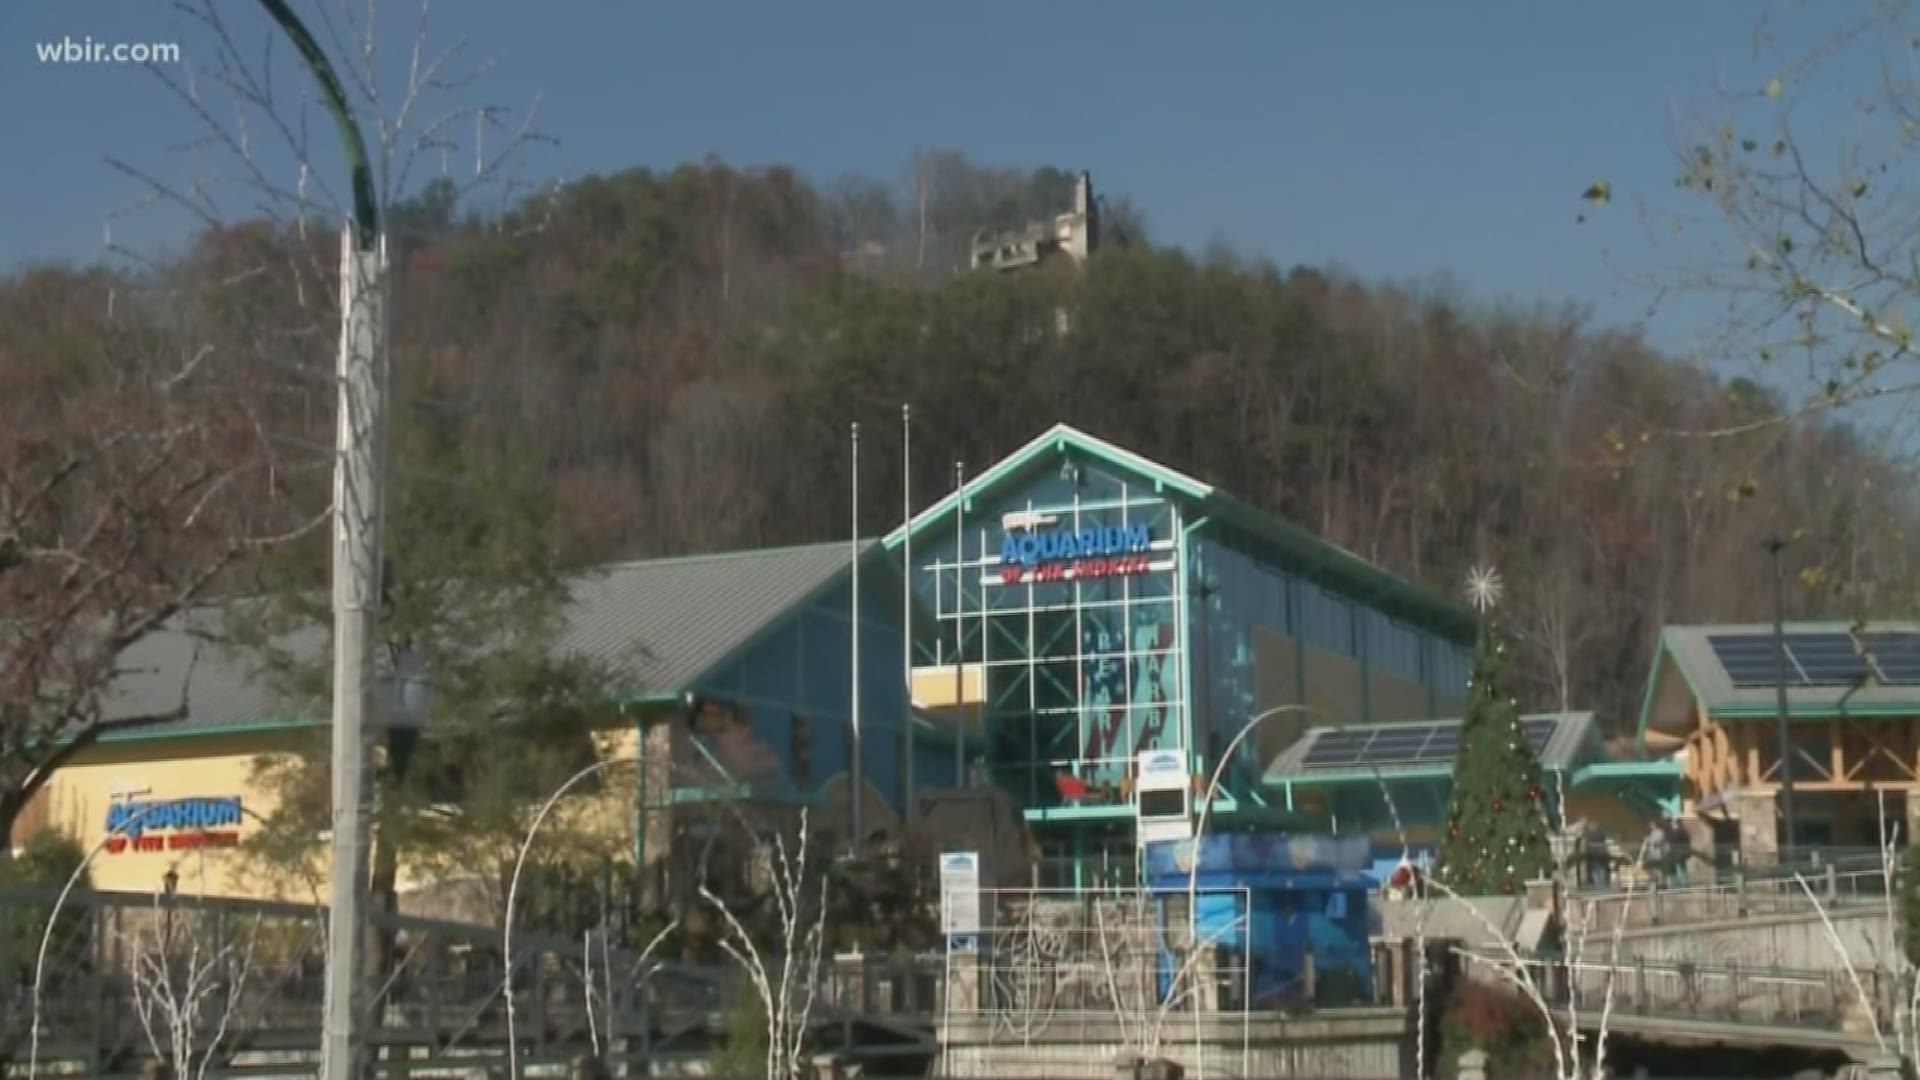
[(1686, 673), (1317, 558), (1664, 769)]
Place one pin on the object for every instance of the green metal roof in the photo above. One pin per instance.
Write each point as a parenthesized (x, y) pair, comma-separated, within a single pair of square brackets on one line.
[(661, 625), (1686, 671), (1316, 558)]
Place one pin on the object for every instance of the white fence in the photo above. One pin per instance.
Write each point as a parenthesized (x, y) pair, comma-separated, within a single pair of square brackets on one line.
[(1125, 954)]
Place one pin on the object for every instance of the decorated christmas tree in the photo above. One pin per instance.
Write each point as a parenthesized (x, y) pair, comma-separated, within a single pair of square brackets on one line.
[(1496, 825)]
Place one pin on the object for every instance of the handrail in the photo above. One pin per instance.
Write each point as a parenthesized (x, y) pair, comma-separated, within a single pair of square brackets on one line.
[(1658, 967), (1842, 860), (1762, 997), (1658, 904), (1737, 884)]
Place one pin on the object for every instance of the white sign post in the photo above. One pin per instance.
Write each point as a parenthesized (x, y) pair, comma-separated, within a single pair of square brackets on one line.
[(1161, 789), (960, 894)]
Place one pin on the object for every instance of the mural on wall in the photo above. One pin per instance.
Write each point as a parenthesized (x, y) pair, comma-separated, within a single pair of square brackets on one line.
[(1130, 701)]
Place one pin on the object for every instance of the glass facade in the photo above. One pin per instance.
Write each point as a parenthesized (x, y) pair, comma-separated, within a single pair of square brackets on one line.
[(1247, 598), (1111, 617), (793, 690), (1067, 592)]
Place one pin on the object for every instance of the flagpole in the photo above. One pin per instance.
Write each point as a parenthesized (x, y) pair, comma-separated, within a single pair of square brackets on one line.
[(859, 750), (906, 601), (959, 624)]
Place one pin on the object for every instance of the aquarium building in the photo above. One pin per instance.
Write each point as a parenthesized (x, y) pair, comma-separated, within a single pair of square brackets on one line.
[(1099, 628)]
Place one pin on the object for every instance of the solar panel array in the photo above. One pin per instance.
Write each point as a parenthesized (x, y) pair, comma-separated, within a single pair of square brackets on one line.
[(1828, 658), (1423, 744)]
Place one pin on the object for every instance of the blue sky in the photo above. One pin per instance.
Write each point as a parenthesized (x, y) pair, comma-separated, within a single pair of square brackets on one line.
[(1398, 141)]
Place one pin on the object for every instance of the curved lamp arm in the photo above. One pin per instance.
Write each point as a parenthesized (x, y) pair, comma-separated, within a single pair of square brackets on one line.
[(366, 208)]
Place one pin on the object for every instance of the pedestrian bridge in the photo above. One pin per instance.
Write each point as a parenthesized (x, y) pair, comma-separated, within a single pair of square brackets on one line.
[(1854, 1012), (1847, 882)]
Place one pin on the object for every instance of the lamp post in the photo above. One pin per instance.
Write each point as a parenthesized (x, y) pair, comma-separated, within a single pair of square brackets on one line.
[(1774, 545), (1200, 831), (357, 509), (170, 883)]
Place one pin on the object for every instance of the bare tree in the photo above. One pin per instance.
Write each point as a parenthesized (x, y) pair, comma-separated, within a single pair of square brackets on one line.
[(786, 982), (1810, 216), (188, 985), (134, 474)]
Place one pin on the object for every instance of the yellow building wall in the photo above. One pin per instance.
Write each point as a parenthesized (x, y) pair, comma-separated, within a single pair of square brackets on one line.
[(599, 821), (77, 800)]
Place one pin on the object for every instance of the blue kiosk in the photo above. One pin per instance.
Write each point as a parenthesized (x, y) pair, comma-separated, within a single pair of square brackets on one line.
[(1308, 896)]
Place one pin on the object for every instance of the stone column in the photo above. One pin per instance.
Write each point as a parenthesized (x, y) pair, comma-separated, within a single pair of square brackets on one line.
[(660, 744), (1206, 978), (1700, 862), (1543, 894), (1759, 829), (963, 982), (1473, 1065)]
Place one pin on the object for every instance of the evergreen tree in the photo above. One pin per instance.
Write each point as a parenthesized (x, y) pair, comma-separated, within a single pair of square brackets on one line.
[(1496, 832)]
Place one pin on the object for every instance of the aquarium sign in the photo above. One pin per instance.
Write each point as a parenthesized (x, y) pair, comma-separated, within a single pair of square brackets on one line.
[(173, 824), (1035, 555)]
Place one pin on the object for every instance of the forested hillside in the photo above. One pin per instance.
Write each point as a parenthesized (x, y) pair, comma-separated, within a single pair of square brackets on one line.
[(681, 354)]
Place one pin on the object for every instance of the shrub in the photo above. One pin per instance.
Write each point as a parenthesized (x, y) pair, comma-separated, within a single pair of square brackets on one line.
[(743, 1056), (1500, 1022), (47, 860)]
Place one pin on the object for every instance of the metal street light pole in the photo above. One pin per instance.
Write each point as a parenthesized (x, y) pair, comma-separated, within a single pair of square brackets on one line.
[(859, 772), (358, 505), (1207, 796), (1774, 545)]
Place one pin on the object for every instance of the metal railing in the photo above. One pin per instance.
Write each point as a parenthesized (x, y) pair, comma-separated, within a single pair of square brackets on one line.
[(1761, 996), (1783, 891), (257, 968)]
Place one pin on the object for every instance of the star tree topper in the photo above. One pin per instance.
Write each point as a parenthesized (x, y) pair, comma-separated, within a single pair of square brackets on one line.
[(1483, 588)]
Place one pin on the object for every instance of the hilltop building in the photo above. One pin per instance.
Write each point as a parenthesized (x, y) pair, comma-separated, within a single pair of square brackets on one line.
[(1074, 234)]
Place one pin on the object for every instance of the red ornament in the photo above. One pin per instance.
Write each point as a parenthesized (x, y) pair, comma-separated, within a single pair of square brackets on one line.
[(1496, 805)]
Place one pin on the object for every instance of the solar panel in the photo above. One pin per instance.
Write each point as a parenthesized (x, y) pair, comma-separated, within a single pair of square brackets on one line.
[(1335, 748), (1897, 656), (1827, 658), (1443, 746), (1539, 733), (1439, 742), (1749, 659)]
